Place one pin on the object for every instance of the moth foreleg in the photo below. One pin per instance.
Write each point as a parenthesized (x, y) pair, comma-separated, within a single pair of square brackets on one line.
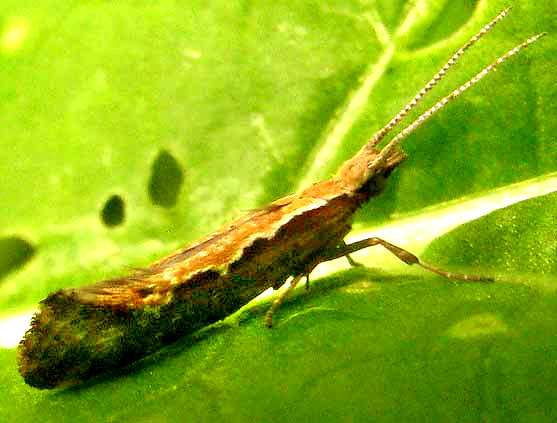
[(407, 257)]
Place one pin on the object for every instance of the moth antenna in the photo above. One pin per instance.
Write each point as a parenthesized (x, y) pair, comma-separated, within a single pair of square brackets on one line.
[(396, 120), (388, 149)]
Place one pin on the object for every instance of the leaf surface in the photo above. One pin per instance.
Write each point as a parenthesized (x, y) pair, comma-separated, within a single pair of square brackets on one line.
[(248, 101)]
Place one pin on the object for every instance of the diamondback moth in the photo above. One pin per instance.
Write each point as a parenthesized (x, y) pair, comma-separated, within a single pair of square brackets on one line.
[(81, 332)]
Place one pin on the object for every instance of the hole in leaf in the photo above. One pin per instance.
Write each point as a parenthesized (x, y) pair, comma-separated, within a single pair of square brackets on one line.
[(166, 180), (14, 253), (113, 212)]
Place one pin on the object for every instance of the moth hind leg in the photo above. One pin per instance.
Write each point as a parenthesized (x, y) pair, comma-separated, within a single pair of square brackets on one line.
[(407, 257)]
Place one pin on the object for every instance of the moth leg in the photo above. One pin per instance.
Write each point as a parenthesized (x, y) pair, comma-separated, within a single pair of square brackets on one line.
[(276, 304), (352, 262), (349, 259), (407, 257)]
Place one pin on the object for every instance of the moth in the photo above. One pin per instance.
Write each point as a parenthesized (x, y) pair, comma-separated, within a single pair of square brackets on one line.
[(81, 332)]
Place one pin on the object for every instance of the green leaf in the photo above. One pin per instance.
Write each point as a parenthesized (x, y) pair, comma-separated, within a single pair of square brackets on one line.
[(242, 102)]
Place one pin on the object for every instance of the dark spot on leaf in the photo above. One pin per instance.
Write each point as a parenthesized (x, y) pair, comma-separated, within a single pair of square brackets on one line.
[(14, 253), (113, 211), (166, 180)]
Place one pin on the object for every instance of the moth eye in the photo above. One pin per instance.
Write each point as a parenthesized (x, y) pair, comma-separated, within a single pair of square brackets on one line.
[(113, 211), (14, 253), (166, 180)]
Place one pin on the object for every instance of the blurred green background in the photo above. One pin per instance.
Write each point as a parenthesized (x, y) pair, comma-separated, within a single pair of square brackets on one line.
[(131, 128)]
